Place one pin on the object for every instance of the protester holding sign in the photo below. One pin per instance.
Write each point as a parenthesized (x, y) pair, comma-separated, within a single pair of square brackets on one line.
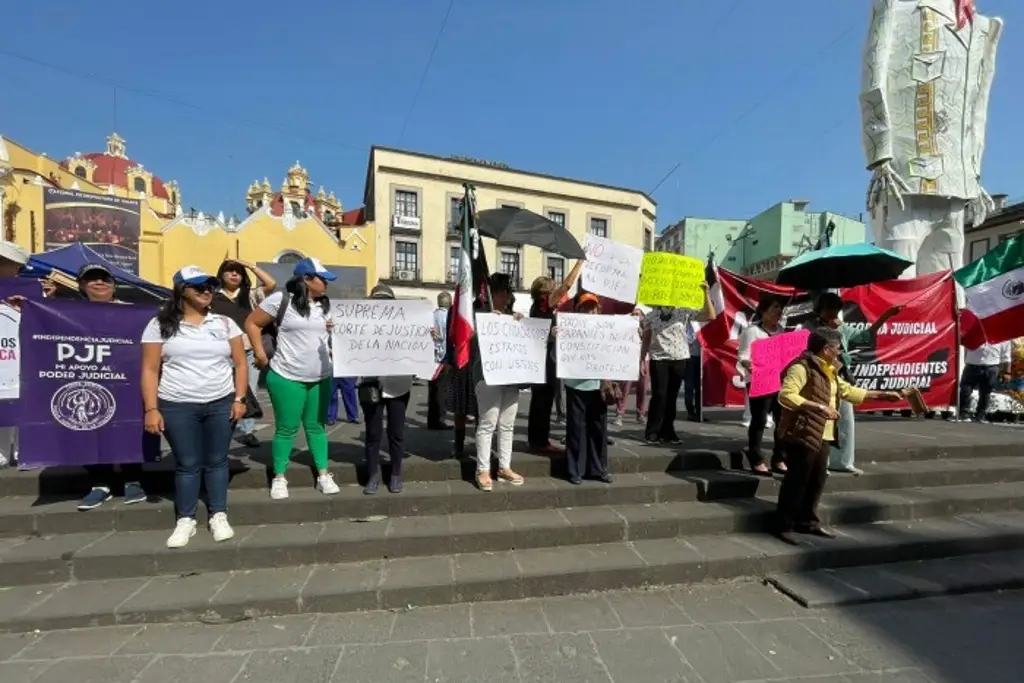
[(194, 381), (498, 404), (380, 395), (236, 299), (810, 395), (666, 344), (586, 428), (96, 284), (299, 379), (766, 323)]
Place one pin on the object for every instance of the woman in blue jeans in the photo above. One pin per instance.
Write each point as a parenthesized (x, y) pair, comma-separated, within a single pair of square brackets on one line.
[(194, 380)]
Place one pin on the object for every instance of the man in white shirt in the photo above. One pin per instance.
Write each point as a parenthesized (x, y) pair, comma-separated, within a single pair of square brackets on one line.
[(983, 367)]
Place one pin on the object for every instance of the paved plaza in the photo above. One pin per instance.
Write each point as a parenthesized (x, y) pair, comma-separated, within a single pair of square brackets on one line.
[(721, 633)]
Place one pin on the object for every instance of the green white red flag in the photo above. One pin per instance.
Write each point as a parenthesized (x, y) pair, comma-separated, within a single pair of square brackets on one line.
[(994, 287)]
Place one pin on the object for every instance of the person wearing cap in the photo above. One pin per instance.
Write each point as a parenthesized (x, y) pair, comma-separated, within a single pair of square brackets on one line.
[(194, 381), (586, 426), (393, 399), (96, 284), (498, 405), (236, 299), (301, 371)]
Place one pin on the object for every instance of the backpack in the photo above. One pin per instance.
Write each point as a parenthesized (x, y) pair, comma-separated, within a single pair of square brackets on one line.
[(270, 331)]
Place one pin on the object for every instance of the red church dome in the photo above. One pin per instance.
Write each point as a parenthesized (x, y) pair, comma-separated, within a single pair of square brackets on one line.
[(111, 168)]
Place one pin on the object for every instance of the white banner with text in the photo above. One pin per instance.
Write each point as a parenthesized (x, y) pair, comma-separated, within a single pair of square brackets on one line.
[(512, 351), (598, 346), (382, 337)]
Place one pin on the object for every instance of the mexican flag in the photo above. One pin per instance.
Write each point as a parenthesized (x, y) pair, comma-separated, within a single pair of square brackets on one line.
[(994, 286), (471, 285)]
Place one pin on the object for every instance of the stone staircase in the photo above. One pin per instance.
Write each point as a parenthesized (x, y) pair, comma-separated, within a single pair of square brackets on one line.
[(669, 518)]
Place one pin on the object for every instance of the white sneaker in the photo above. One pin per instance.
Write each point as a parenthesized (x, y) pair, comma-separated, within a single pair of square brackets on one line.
[(220, 528), (183, 533), (325, 482), (279, 488)]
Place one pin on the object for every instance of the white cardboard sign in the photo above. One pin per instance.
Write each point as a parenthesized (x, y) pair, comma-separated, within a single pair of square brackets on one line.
[(382, 337), (612, 269), (512, 351), (598, 346)]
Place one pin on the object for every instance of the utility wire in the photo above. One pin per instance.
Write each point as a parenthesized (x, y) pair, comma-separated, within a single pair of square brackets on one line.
[(793, 73), (426, 70), (157, 95)]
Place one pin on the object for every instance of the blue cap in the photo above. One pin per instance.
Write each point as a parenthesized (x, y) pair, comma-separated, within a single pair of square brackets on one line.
[(311, 267), (194, 275)]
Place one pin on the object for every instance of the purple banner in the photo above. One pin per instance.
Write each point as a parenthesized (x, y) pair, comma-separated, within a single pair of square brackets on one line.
[(80, 397), (29, 288)]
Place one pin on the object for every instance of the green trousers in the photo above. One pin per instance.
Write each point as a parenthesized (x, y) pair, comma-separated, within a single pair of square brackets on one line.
[(295, 404)]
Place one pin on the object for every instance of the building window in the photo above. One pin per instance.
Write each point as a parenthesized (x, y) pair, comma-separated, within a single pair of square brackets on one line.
[(407, 256), (509, 265), (557, 217), (289, 257), (455, 213), (648, 239), (1004, 237), (328, 216), (296, 209), (599, 227), (80, 172), (454, 257), (139, 184), (556, 269), (407, 203)]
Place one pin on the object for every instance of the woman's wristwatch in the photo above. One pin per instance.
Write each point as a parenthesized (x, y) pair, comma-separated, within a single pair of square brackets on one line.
[(240, 399)]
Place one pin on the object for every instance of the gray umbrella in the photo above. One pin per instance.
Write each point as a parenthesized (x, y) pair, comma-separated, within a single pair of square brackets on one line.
[(511, 225)]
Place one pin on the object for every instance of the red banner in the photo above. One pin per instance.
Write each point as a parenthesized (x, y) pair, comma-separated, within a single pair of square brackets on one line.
[(915, 348)]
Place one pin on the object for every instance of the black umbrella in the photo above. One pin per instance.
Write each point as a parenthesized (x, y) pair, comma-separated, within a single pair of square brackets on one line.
[(511, 225)]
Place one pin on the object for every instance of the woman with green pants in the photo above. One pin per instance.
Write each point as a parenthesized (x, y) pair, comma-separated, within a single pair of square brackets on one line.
[(300, 374)]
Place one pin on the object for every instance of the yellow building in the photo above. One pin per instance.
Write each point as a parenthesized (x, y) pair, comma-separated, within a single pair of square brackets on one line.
[(413, 198), (1006, 221), (136, 220)]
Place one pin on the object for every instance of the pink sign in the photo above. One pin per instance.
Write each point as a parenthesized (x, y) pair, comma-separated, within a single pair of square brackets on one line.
[(770, 356)]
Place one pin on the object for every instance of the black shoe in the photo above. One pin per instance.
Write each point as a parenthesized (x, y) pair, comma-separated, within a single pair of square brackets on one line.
[(818, 531), (653, 440), (575, 481), (674, 440), (767, 474), (610, 441), (604, 478), (786, 537), (372, 485)]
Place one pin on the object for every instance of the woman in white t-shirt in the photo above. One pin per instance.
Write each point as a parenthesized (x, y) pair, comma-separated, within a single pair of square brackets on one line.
[(767, 322), (194, 378), (301, 371)]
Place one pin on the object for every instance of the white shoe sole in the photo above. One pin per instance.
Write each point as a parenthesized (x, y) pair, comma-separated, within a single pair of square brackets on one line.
[(176, 545)]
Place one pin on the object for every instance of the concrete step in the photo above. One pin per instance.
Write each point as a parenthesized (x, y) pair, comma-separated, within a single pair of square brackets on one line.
[(904, 580), (396, 583), (25, 515), (251, 469), (109, 555)]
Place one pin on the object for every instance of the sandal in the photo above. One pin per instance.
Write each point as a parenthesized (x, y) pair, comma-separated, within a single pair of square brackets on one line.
[(510, 477), (483, 481)]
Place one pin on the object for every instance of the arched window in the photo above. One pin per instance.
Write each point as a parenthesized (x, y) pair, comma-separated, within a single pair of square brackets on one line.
[(328, 216), (80, 172), (289, 257), (140, 185)]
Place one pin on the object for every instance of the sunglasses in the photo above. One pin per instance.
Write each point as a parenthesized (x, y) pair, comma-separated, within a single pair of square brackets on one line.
[(203, 289)]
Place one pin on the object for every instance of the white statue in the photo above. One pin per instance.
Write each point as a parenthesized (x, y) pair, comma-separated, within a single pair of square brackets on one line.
[(928, 68)]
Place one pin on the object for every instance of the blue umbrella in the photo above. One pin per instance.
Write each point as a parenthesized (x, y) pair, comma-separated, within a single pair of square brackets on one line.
[(843, 265)]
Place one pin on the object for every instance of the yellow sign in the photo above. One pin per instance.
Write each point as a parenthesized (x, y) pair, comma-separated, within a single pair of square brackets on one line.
[(671, 280)]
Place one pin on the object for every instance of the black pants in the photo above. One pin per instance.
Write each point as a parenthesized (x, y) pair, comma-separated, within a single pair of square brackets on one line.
[(107, 475), (760, 408), (692, 388), (806, 474), (586, 429), (437, 396), (980, 377), (559, 402), (666, 379), (373, 413), (538, 426)]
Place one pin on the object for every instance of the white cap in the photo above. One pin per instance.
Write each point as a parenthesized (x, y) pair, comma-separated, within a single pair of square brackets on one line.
[(13, 252)]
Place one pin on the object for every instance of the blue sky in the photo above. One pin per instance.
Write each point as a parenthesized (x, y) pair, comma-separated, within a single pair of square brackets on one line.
[(756, 100)]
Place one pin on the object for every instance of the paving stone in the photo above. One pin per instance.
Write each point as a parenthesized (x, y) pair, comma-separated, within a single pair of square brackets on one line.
[(279, 545), (392, 663), (262, 592), (472, 533), (105, 670), (78, 642), (487, 576), (355, 627), (305, 665), (720, 654), (881, 583), (171, 598), (480, 659), (266, 634), (850, 634), (23, 672), (426, 623), (11, 645), (417, 581), (507, 618), (890, 676), (172, 639), (653, 608), (415, 536), (660, 661), (562, 657), (576, 614), (343, 588), (92, 603), (219, 668), (17, 600), (818, 589), (790, 646)]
